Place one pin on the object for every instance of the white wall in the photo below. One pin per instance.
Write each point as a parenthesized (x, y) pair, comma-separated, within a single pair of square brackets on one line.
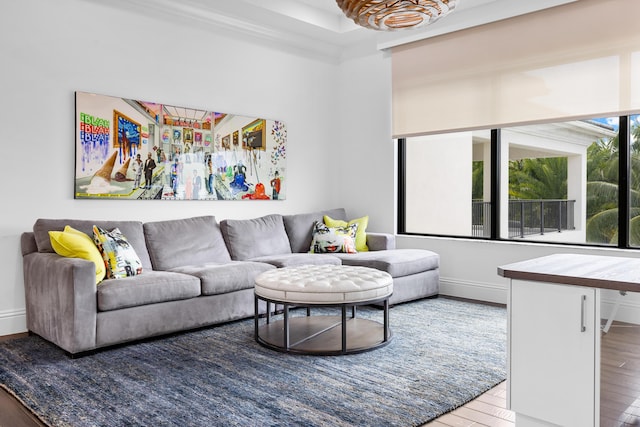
[(59, 47), (364, 168)]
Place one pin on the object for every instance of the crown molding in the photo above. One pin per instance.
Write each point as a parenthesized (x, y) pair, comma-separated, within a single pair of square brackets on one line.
[(315, 28), (467, 15), (241, 19)]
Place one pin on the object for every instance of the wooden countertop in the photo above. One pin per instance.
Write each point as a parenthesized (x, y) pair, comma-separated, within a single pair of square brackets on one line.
[(595, 271)]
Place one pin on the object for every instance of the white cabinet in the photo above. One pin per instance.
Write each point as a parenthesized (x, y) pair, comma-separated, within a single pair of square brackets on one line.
[(554, 360)]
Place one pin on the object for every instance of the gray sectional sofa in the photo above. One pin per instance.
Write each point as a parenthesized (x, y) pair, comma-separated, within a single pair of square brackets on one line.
[(196, 273)]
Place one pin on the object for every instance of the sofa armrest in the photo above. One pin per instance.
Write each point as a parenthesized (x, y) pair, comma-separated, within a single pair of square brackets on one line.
[(61, 300), (28, 243), (380, 241)]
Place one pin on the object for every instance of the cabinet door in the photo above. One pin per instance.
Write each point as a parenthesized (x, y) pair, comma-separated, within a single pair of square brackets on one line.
[(554, 347)]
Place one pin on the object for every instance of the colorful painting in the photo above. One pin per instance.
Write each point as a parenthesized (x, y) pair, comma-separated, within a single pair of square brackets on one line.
[(118, 156)]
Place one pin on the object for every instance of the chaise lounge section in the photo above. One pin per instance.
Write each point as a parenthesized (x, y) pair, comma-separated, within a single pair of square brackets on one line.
[(284, 241)]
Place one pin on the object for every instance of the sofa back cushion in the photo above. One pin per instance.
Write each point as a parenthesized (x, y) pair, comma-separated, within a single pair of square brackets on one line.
[(183, 242), (132, 230), (251, 238), (300, 227)]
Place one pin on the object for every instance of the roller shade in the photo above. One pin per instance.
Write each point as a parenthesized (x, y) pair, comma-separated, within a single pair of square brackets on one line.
[(577, 60)]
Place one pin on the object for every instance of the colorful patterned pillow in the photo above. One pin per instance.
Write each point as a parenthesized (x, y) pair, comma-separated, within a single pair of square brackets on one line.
[(333, 239), (119, 256), (361, 234), (73, 243)]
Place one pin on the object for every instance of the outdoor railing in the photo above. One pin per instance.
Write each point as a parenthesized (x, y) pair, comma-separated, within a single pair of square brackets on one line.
[(526, 217), (481, 218)]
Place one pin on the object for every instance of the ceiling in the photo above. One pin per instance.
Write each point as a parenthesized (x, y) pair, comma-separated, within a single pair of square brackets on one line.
[(317, 27)]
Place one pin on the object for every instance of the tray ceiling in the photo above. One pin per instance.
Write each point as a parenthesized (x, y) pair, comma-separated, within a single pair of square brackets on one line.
[(318, 27)]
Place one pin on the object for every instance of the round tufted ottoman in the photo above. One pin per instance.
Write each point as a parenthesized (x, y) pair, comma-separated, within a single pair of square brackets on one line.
[(323, 286)]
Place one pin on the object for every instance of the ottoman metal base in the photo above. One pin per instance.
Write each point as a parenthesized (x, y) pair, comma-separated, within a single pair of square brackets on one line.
[(322, 335)]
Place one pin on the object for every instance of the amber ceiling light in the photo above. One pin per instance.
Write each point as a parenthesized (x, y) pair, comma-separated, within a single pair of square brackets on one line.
[(393, 15)]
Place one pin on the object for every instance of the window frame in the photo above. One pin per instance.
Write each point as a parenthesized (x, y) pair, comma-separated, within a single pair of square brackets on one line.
[(624, 192)]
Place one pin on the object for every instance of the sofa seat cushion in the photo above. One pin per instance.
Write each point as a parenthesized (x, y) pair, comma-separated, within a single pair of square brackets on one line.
[(294, 260), (219, 278), (150, 287), (181, 242), (396, 262)]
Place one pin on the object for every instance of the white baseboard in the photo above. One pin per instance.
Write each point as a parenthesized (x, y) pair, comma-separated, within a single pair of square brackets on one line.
[(490, 292), (628, 311), (13, 322)]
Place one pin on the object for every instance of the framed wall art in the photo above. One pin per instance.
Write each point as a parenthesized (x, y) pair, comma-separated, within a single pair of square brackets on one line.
[(133, 149)]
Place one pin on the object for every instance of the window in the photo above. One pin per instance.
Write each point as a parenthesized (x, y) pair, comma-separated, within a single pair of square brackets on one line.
[(634, 182), (563, 181), (447, 184), (552, 182)]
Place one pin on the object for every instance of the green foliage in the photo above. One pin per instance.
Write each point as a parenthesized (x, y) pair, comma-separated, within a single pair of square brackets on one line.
[(634, 228), (602, 161), (539, 178), (602, 190), (601, 196), (603, 227), (477, 176)]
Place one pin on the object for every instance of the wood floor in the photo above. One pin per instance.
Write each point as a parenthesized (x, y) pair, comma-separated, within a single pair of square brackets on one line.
[(619, 388), (486, 410), (620, 391), (12, 412), (620, 376)]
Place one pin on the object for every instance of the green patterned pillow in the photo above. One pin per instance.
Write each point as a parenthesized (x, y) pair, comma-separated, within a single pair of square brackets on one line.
[(119, 256), (333, 239)]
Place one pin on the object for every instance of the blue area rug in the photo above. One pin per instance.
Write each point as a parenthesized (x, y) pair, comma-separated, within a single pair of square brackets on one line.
[(443, 353)]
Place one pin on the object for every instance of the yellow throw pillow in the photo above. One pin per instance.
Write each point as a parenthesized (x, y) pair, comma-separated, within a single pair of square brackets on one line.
[(73, 243), (361, 234)]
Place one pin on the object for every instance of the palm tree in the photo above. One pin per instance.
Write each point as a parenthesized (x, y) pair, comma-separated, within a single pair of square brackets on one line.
[(602, 190), (538, 178)]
